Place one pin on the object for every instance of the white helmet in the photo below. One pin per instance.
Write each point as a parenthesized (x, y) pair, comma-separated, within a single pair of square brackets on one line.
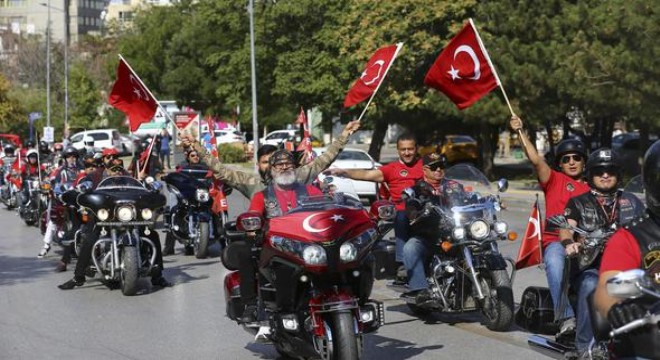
[(32, 152), (88, 141)]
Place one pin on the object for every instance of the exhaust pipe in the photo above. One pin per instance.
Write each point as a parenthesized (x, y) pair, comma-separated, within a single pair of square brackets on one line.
[(548, 347)]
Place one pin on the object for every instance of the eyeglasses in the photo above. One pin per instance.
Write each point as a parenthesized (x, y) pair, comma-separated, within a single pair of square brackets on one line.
[(600, 171), (567, 158), (110, 157), (435, 167), (193, 156), (283, 165)]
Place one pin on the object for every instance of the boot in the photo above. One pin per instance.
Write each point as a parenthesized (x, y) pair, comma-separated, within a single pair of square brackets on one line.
[(168, 249)]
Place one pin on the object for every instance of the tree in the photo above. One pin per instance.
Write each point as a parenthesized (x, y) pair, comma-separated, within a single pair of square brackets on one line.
[(13, 118)]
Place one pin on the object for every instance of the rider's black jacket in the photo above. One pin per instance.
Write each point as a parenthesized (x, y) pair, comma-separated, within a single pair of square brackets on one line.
[(591, 215), (433, 225)]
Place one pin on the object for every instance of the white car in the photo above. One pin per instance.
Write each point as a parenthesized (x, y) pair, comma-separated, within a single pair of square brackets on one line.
[(226, 136), (354, 159), (277, 137), (103, 139)]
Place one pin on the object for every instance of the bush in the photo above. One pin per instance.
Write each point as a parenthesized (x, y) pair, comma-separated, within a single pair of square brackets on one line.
[(229, 153)]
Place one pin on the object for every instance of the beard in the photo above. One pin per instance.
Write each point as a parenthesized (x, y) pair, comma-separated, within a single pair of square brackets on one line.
[(285, 178)]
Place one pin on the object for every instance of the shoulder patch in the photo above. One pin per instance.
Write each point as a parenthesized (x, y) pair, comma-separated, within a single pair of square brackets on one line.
[(403, 172), (567, 212), (570, 187)]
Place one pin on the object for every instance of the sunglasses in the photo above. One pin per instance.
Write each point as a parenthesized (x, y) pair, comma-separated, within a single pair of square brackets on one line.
[(193, 155), (283, 165), (600, 171), (111, 157), (567, 158), (87, 166), (71, 156), (435, 167)]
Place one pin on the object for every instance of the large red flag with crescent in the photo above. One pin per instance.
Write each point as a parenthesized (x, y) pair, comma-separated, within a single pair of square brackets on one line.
[(306, 143), (463, 70), (372, 76), (530, 252), (131, 97), (214, 142)]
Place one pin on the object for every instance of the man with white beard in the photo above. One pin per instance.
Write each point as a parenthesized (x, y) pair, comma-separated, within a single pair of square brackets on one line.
[(280, 196)]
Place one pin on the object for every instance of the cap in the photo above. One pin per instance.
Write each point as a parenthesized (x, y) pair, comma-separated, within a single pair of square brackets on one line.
[(281, 156), (110, 151), (435, 160)]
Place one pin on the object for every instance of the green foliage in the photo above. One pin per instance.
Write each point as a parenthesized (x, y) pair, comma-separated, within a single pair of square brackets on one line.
[(84, 98), (12, 116), (229, 153)]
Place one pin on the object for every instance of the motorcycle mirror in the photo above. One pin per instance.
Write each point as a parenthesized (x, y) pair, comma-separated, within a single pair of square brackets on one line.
[(84, 186), (149, 180), (627, 284), (155, 186), (559, 221), (502, 185)]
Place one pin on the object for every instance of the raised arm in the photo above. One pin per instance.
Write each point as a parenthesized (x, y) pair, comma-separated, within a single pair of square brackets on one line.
[(543, 170), (374, 175)]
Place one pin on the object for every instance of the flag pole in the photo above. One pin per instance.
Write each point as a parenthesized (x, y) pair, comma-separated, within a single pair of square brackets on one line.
[(399, 45), (540, 232), (146, 161), (490, 63)]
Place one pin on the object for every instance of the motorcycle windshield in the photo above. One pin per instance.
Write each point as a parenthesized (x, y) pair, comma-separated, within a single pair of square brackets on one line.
[(478, 200), (120, 183), (326, 202)]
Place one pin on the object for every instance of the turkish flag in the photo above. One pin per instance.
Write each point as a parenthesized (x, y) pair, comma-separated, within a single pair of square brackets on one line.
[(133, 99), (530, 252), (306, 144), (372, 76), (214, 143), (462, 71)]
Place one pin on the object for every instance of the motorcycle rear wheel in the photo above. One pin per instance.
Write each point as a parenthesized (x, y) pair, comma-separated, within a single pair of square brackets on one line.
[(344, 339), (202, 243), (497, 307), (129, 270)]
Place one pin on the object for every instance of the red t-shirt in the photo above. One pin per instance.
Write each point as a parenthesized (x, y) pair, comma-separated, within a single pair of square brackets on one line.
[(558, 190), (399, 176), (622, 253), (286, 199)]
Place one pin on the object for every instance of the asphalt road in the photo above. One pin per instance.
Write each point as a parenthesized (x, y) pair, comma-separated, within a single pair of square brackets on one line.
[(187, 321)]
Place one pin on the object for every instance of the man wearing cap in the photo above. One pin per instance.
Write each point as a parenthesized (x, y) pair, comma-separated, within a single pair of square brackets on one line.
[(109, 154), (280, 196), (432, 188), (249, 184)]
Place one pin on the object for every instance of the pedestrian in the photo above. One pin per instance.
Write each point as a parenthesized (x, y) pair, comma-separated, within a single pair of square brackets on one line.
[(504, 149), (165, 139)]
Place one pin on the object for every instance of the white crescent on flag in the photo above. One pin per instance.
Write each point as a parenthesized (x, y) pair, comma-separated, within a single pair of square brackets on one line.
[(475, 60), (309, 228), (378, 63), (535, 222)]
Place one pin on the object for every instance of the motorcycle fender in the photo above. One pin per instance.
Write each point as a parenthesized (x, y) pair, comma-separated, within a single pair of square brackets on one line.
[(127, 240), (327, 302), (493, 262), (233, 304), (204, 216)]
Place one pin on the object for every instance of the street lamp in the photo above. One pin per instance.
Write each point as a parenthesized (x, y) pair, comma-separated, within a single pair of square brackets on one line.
[(66, 66)]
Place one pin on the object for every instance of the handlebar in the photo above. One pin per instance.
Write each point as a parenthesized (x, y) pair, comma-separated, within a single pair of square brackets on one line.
[(648, 319)]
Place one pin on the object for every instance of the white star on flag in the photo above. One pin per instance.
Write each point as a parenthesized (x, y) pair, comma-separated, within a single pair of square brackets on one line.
[(138, 93), (454, 73), (337, 218)]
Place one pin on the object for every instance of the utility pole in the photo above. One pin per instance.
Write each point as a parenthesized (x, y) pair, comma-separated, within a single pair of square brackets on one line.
[(255, 127)]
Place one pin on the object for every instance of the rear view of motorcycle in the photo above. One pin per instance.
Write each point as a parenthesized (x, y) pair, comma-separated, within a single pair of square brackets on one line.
[(191, 221), (35, 202), (10, 186), (125, 213), (315, 275)]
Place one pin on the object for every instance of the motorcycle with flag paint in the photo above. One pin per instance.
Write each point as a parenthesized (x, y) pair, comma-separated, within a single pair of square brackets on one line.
[(315, 276), (466, 271)]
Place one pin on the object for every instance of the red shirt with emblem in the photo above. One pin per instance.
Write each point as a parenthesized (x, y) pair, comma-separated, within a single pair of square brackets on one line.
[(622, 253), (558, 190), (399, 176), (286, 199)]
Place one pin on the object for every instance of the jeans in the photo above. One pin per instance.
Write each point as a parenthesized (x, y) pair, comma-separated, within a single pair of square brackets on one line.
[(401, 226), (553, 258), (415, 252), (165, 154), (584, 284)]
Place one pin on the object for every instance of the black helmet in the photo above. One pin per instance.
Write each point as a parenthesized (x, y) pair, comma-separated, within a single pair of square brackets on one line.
[(281, 156), (71, 151), (602, 158), (9, 148), (651, 178), (30, 143), (43, 147), (568, 146)]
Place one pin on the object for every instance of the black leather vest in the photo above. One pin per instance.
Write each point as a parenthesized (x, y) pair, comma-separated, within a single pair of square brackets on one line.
[(647, 233), (593, 217), (272, 206)]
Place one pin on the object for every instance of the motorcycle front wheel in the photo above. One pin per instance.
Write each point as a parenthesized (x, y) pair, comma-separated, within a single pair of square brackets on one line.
[(497, 307), (202, 243), (128, 271), (344, 339)]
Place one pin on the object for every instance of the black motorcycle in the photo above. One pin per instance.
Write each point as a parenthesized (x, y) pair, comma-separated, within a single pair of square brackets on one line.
[(36, 201), (125, 211), (191, 221)]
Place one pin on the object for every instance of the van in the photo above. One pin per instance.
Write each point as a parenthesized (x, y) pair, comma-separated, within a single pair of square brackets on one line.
[(103, 139)]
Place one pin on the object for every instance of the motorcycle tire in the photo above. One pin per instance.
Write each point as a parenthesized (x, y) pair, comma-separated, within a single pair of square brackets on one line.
[(344, 339), (497, 307), (129, 270), (202, 242)]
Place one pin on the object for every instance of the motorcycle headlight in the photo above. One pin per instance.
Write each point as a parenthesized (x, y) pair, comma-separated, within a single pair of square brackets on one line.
[(479, 229), (347, 252), (501, 227), (458, 233), (314, 255), (125, 213), (202, 195), (102, 214), (147, 214)]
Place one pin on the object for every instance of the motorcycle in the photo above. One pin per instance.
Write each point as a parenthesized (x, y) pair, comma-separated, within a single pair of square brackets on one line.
[(61, 209), (10, 190), (125, 211), (192, 220), (323, 246), (466, 271), (36, 201)]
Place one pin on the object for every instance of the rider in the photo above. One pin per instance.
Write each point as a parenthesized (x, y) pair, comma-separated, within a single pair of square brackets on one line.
[(66, 174), (397, 175), (108, 155), (7, 158), (280, 196), (634, 247), (604, 207), (30, 170), (249, 184), (558, 187), (90, 233), (88, 146), (58, 156), (433, 188)]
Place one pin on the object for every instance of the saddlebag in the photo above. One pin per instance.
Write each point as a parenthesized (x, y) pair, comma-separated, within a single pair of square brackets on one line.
[(385, 256), (536, 312)]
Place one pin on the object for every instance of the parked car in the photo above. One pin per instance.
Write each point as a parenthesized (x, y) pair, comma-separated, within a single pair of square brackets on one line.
[(129, 144), (228, 136), (103, 139), (627, 150), (457, 148), (355, 159), (277, 137)]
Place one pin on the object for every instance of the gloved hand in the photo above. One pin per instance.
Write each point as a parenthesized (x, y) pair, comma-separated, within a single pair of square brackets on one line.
[(625, 312)]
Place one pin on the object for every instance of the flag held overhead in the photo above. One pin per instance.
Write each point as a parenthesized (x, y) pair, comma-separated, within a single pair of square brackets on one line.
[(132, 97), (463, 70), (372, 76)]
